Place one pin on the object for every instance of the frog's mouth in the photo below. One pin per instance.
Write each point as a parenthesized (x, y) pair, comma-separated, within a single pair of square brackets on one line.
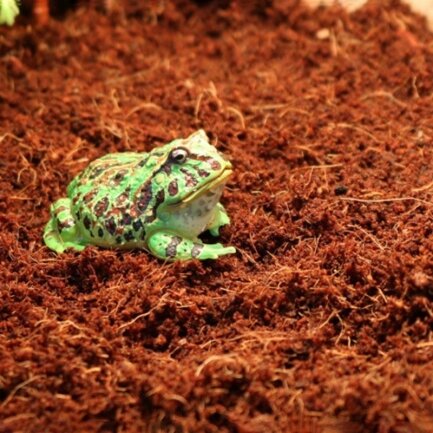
[(212, 184)]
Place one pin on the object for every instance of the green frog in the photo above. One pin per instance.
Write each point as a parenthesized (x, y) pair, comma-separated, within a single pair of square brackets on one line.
[(160, 201)]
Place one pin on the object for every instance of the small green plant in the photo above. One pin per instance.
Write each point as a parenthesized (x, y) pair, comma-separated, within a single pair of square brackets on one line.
[(8, 11)]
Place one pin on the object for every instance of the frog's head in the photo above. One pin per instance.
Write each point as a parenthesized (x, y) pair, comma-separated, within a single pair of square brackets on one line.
[(192, 168)]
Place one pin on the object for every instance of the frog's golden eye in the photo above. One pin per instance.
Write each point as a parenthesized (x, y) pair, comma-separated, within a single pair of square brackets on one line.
[(179, 155)]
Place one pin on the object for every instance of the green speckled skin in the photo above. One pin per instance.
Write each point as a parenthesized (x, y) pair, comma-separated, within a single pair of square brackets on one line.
[(160, 201), (8, 11)]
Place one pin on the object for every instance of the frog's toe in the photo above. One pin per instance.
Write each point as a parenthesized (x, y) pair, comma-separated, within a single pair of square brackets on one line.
[(228, 250), (213, 251), (74, 246)]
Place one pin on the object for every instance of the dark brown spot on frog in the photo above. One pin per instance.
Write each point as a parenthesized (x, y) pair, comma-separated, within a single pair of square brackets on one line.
[(100, 232), (144, 196), (126, 219), (143, 162), (137, 225), (110, 225), (190, 180), (118, 240), (171, 249), (96, 172), (166, 168), (121, 199), (160, 197), (60, 209), (198, 157), (203, 173), (62, 225), (89, 197), (129, 236), (119, 176), (173, 188), (214, 164), (101, 206), (87, 222)]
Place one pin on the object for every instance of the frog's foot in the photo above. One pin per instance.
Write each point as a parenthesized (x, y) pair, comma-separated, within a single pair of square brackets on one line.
[(172, 247), (220, 219), (61, 231)]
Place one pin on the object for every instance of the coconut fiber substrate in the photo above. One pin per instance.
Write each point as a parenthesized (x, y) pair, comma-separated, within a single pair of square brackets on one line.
[(322, 322)]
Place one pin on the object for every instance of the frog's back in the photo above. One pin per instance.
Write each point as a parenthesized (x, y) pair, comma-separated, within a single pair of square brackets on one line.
[(106, 172), (104, 190)]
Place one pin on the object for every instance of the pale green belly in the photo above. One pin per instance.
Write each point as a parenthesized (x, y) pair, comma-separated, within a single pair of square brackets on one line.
[(193, 219)]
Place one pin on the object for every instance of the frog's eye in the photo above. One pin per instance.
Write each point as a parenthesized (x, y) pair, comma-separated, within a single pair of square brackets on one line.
[(179, 155)]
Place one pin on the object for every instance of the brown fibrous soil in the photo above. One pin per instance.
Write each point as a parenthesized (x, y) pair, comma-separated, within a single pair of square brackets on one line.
[(322, 322)]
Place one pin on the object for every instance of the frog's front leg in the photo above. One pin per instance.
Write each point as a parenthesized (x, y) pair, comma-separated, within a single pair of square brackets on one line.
[(219, 219), (61, 231), (173, 247)]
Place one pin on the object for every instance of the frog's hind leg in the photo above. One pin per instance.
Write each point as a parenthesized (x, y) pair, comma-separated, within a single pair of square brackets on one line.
[(61, 231), (169, 246)]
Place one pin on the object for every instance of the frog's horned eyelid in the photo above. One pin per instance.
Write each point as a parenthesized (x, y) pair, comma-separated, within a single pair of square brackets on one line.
[(201, 134)]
